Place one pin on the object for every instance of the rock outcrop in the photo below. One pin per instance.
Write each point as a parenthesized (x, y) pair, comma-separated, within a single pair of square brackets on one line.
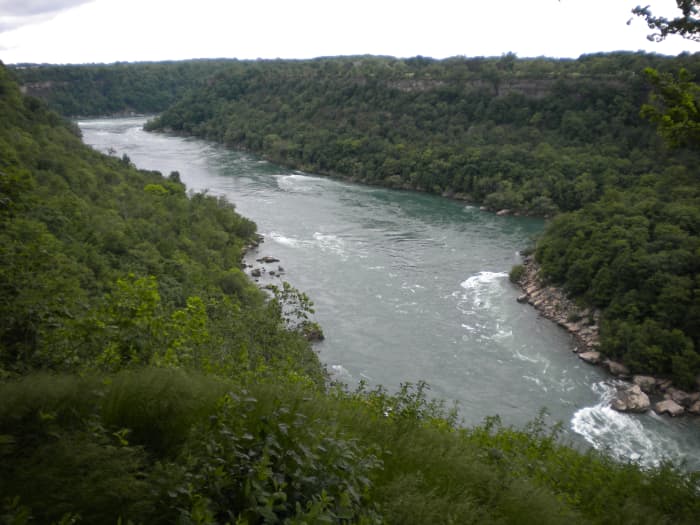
[(553, 304), (631, 399)]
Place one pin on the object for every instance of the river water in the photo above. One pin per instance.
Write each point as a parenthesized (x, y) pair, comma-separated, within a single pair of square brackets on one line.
[(411, 287)]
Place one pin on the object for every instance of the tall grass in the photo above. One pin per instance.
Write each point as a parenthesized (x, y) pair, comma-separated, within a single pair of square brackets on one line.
[(164, 446)]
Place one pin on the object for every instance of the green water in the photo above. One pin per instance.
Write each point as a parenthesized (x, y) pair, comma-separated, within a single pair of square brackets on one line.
[(412, 287)]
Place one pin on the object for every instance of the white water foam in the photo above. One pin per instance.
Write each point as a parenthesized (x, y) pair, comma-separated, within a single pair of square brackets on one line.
[(480, 287), (329, 242), (285, 241), (297, 182), (621, 435)]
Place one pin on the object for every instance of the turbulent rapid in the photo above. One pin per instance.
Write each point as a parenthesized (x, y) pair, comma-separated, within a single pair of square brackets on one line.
[(412, 287)]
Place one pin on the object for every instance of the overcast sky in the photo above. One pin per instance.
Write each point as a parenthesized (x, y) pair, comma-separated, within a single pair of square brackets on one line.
[(79, 31)]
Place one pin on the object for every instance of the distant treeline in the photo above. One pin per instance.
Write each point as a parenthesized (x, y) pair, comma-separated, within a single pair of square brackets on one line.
[(98, 89)]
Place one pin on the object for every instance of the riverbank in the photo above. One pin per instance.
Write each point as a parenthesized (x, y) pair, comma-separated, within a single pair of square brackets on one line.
[(637, 393)]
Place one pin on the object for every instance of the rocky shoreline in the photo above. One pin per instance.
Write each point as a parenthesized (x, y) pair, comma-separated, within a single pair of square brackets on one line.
[(637, 393)]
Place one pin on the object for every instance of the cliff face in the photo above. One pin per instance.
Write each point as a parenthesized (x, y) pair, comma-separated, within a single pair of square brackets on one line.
[(40, 89)]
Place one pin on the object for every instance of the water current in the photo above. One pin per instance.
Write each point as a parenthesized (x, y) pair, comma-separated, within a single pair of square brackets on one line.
[(412, 287)]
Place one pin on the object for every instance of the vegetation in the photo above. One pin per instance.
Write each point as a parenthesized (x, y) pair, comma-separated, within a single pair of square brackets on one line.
[(686, 25), (145, 380), (97, 89)]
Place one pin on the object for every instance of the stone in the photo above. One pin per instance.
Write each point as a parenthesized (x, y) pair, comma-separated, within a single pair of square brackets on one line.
[(646, 383), (631, 399), (267, 259), (695, 408), (679, 396), (669, 407), (255, 272), (522, 298), (616, 369), (663, 384), (503, 212), (592, 358)]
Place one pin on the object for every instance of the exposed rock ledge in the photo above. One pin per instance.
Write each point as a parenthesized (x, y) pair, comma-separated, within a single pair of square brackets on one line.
[(553, 304), (582, 323)]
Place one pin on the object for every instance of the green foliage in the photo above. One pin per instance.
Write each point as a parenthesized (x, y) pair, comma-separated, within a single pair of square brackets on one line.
[(675, 108), (634, 254), (687, 25), (516, 273), (163, 446), (89, 89), (108, 267)]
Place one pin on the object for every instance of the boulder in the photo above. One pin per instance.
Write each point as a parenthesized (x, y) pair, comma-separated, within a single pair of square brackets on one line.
[(695, 408), (256, 272), (663, 384), (522, 298), (681, 397), (592, 358), (503, 212), (267, 259), (669, 407), (646, 383), (631, 399), (617, 369)]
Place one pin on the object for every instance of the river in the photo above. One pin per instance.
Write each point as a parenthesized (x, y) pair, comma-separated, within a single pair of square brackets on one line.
[(411, 287)]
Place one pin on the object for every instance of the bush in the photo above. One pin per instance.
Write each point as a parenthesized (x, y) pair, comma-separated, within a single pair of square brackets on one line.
[(516, 273)]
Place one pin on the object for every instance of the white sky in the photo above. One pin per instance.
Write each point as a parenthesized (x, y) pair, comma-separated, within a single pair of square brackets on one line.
[(80, 31)]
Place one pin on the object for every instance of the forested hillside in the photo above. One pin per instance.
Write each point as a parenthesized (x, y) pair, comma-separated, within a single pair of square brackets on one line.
[(98, 89), (144, 379)]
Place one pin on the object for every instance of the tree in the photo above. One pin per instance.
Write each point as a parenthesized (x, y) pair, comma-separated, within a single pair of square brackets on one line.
[(675, 102), (674, 106), (687, 26)]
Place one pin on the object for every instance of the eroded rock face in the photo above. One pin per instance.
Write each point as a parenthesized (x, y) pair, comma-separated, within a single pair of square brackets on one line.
[(631, 399), (670, 407)]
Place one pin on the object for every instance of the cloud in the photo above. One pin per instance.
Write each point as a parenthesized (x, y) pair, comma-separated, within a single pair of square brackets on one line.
[(17, 13)]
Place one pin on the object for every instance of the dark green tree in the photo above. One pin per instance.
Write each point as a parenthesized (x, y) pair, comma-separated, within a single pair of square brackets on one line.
[(687, 25)]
